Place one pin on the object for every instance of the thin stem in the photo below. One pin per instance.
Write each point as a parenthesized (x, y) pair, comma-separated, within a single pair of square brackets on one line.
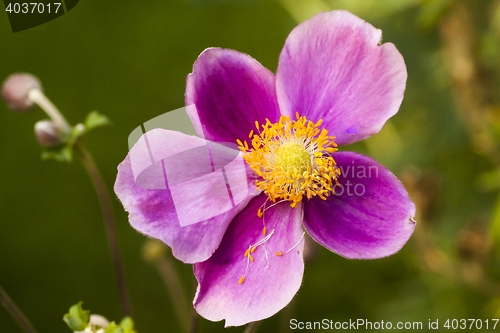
[(195, 318), (43, 102), (14, 311), (173, 284), (193, 324), (252, 327), (107, 212)]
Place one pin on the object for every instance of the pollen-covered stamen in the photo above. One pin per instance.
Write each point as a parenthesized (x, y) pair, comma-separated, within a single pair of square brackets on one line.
[(292, 159), (251, 249), (282, 253), (261, 211)]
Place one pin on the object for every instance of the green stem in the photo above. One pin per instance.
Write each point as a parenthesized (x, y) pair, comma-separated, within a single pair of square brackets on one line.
[(173, 284), (195, 318), (193, 324), (109, 222), (252, 327), (14, 311)]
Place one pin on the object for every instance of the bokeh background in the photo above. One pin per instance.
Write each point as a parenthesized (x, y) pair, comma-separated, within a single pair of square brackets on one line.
[(129, 60)]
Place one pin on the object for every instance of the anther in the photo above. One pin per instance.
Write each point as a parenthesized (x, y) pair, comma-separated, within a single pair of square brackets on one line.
[(251, 249), (280, 253)]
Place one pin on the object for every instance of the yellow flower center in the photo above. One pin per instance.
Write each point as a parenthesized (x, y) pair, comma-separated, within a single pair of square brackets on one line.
[(292, 159)]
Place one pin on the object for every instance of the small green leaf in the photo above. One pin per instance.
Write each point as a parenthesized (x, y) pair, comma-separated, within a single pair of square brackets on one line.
[(61, 154), (95, 119), (77, 319), (76, 133), (113, 328), (129, 330), (128, 325)]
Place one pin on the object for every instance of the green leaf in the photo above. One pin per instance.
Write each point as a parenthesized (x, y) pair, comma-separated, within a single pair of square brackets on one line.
[(77, 319), (65, 153), (61, 154), (113, 328), (128, 325), (95, 119)]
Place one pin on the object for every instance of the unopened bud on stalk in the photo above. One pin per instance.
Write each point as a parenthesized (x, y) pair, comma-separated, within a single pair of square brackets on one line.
[(153, 250), (16, 88), (47, 133)]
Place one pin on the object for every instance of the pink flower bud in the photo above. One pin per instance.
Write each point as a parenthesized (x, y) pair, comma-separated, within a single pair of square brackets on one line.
[(15, 91), (47, 133)]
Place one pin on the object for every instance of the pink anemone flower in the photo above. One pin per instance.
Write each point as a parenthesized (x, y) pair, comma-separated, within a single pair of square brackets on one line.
[(241, 223)]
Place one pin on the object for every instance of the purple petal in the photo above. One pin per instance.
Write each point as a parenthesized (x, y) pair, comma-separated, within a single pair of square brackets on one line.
[(369, 217), (227, 92), (332, 68), (174, 192), (269, 285)]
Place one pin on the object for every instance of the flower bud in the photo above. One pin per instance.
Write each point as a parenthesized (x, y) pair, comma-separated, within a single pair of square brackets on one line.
[(47, 133), (153, 250), (15, 90)]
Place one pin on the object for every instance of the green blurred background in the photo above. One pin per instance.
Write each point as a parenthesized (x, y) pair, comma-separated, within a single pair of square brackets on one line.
[(129, 60)]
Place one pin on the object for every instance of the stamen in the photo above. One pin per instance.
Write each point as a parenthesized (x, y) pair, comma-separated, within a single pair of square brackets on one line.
[(280, 253), (247, 254), (292, 159), (274, 204), (260, 213), (267, 258), (265, 239), (251, 249)]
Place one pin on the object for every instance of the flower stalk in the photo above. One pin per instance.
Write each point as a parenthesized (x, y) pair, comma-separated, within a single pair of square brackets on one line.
[(38, 97), (15, 312), (252, 327), (21, 92), (155, 253), (107, 212)]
